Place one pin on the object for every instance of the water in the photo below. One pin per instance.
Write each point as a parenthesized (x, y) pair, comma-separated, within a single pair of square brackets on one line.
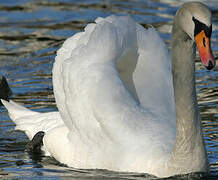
[(31, 31)]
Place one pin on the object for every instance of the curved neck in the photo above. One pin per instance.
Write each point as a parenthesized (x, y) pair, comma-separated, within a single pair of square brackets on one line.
[(189, 153)]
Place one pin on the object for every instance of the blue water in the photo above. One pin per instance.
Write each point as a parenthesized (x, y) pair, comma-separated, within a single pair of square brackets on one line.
[(31, 31)]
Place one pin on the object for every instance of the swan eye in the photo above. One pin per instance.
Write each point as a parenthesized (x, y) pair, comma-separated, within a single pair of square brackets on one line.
[(199, 26), (204, 42)]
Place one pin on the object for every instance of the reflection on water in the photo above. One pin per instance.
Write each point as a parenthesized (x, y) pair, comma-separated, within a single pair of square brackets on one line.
[(30, 34)]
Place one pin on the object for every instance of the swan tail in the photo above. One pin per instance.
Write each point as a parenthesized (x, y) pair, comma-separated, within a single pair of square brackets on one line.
[(16, 111), (20, 115), (29, 121)]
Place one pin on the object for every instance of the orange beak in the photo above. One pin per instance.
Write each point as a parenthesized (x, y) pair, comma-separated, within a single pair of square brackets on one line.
[(204, 49)]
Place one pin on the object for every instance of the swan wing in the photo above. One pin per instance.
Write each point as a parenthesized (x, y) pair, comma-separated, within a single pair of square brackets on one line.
[(153, 75), (93, 100), (82, 61)]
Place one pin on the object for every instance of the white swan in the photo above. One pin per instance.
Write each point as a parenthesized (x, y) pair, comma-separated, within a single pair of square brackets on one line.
[(115, 94)]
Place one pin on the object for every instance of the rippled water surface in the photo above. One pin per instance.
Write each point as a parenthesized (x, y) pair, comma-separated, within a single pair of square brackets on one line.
[(31, 31)]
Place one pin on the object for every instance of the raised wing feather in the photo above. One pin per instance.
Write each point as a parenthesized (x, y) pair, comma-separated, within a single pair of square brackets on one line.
[(91, 96), (153, 76)]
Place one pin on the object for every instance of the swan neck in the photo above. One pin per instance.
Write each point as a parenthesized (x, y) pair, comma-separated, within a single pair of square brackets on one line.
[(189, 151), (183, 69)]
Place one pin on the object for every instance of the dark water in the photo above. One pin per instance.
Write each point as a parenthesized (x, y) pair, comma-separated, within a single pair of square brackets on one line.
[(31, 31)]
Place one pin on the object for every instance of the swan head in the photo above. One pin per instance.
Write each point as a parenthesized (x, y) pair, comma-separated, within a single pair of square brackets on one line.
[(194, 18)]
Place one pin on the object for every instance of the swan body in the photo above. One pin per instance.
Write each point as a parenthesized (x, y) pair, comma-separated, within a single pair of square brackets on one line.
[(114, 89)]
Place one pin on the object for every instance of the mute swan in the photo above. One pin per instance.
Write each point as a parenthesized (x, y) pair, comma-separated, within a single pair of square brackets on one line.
[(121, 105)]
